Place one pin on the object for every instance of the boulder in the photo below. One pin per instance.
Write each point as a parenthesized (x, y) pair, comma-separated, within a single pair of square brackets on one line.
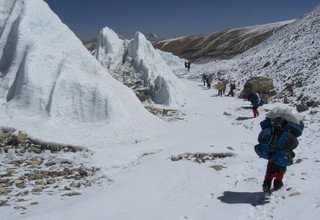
[(262, 85), (302, 107), (313, 104)]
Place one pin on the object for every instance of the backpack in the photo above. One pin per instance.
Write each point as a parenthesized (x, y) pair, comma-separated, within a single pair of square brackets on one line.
[(277, 140), (261, 102), (256, 99)]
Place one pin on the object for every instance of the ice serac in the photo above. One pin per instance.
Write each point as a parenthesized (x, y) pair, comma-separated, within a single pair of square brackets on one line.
[(154, 72), (110, 48), (48, 77), (148, 65)]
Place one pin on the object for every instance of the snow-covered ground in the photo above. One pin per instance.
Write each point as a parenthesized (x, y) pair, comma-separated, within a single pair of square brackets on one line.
[(200, 166), (147, 184)]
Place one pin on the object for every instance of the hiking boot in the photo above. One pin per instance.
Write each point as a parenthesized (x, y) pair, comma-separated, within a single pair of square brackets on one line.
[(277, 184), (266, 185)]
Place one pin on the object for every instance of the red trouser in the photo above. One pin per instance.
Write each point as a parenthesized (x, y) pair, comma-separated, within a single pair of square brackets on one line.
[(274, 171), (255, 111)]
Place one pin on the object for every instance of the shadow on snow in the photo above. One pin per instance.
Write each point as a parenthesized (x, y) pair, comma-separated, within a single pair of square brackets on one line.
[(243, 118), (252, 198)]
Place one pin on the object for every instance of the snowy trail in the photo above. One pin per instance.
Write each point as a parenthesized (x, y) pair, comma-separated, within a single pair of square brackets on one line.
[(151, 186)]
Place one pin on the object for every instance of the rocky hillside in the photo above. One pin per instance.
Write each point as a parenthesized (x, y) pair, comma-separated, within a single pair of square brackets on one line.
[(290, 58), (220, 45)]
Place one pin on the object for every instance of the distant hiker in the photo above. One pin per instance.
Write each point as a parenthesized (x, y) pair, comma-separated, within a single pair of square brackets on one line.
[(188, 65), (232, 87), (277, 140), (224, 87), (208, 81), (256, 101), (220, 86), (204, 79)]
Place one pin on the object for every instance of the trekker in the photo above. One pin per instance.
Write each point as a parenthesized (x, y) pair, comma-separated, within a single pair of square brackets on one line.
[(208, 80), (277, 140), (224, 87), (188, 65), (256, 101), (220, 85), (232, 87), (204, 79)]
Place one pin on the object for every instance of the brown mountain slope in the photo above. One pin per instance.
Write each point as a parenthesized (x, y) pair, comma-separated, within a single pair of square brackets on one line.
[(219, 45)]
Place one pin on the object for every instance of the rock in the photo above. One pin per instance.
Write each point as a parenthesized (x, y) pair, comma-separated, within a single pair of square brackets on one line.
[(299, 84), (3, 202), (18, 162), (4, 181), (41, 182), (72, 194), (20, 207), (73, 149), (312, 104), (4, 191), (302, 107), (51, 181), (4, 136), (50, 163), (295, 194), (217, 167), (262, 85), (266, 64), (66, 161), (36, 190), (34, 203), (21, 137), (67, 188), (313, 112), (19, 183), (36, 150), (10, 171), (142, 97), (24, 193), (82, 172), (230, 148), (35, 161), (176, 158), (299, 160), (75, 184), (226, 114), (286, 100), (77, 177), (300, 97)]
